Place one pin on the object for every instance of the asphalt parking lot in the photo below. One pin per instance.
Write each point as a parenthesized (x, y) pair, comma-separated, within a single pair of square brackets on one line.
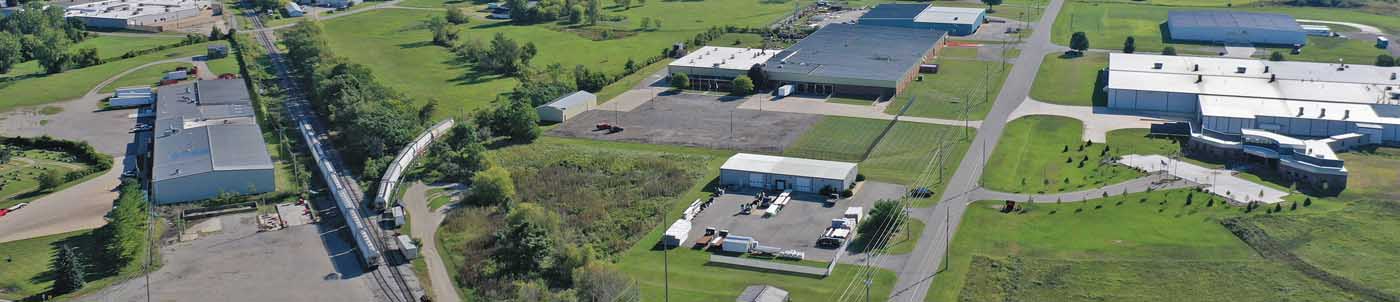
[(694, 120), (239, 263), (796, 227)]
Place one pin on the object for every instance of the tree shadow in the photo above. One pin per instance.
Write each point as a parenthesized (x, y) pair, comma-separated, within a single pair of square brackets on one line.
[(418, 44)]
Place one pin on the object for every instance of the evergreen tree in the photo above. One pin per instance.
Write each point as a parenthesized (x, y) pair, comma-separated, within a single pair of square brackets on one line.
[(991, 5), (1129, 45), (70, 273), (593, 11), (1276, 56), (1385, 61), (1079, 41)]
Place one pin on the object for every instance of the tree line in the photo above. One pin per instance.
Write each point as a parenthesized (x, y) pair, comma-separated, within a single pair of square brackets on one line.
[(42, 33)]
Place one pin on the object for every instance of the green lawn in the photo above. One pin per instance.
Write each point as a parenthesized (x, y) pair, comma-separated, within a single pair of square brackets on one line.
[(19, 178), (74, 83), (223, 65), (148, 76), (626, 83), (1142, 247), (851, 101), (108, 47), (403, 58), (438, 197), (1329, 49), (1031, 157), (904, 240), (1070, 81), (27, 261), (692, 280), (837, 138), (960, 84), (1360, 243), (1109, 24)]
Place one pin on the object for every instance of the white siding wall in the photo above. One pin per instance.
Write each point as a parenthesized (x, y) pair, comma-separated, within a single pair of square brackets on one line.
[(209, 185), (776, 181), (1152, 101)]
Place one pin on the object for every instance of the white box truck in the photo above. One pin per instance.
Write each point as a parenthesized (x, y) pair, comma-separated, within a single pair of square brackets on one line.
[(410, 250), (676, 234)]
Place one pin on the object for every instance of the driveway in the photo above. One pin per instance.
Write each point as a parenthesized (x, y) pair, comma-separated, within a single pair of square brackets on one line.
[(1098, 121), (425, 225), (805, 105), (80, 207)]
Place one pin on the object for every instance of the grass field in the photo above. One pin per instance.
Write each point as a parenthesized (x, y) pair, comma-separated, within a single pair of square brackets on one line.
[(149, 76), (1108, 24), (1333, 241), (1070, 81), (961, 82), (623, 85), (1140, 247), (223, 65), (19, 178), (438, 197), (108, 47), (906, 237), (1031, 157), (404, 59), (1328, 49), (837, 138), (27, 271), (74, 83)]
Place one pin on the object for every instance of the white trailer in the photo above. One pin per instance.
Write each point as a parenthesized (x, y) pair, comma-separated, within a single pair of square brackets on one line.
[(854, 214), (739, 244), (398, 216), (410, 250), (676, 234), (785, 90)]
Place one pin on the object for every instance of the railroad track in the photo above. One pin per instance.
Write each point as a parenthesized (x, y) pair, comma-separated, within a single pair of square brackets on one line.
[(370, 237)]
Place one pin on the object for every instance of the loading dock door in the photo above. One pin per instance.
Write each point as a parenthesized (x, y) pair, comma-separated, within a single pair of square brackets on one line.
[(756, 180), (804, 184)]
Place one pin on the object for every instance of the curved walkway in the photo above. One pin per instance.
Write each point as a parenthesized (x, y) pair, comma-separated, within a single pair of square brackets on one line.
[(425, 224), (1154, 181)]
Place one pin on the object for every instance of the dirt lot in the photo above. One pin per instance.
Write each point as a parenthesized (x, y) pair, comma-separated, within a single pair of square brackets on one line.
[(239, 263), (796, 227), (695, 120)]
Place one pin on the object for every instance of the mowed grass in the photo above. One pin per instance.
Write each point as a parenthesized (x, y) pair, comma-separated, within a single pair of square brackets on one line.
[(74, 83), (24, 272), (1070, 80), (108, 47), (148, 76), (1140, 247), (223, 65), (403, 58), (1329, 49), (837, 138), (1109, 24), (1360, 243), (961, 84), (1032, 157)]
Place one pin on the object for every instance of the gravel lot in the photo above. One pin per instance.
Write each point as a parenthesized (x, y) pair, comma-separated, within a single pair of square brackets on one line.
[(796, 227), (241, 264), (694, 120)]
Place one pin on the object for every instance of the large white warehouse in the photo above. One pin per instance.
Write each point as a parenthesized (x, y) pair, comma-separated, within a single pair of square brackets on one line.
[(786, 173), (207, 142)]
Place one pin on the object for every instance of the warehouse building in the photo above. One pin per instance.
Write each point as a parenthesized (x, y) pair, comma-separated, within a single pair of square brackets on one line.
[(1295, 115), (786, 173), (207, 142), (135, 14), (1222, 26), (855, 60), (567, 106), (957, 21), (712, 68)]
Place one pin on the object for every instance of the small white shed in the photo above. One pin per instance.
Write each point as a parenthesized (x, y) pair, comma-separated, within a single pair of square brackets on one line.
[(294, 10), (567, 106), (410, 250)]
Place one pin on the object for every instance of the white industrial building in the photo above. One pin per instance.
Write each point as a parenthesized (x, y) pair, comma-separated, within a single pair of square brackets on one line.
[(207, 142), (712, 67), (1294, 114), (567, 107), (786, 173), (128, 14), (132, 96)]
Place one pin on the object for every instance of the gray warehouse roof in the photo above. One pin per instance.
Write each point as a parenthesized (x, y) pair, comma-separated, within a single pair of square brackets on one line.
[(206, 126), (823, 169), (861, 52), (1232, 19), (578, 98)]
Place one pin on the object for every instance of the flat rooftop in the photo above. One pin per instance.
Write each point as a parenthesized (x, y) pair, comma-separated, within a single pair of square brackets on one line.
[(1243, 107), (823, 169), (1305, 81), (949, 15), (1232, 19), (859, 52), (122, 9), (732, 58), (205, 126)]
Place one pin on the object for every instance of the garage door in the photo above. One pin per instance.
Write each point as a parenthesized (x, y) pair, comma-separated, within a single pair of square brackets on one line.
[(804, 184), (756, 180)]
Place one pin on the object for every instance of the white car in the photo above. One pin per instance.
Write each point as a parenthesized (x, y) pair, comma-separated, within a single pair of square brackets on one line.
[(17, 207)]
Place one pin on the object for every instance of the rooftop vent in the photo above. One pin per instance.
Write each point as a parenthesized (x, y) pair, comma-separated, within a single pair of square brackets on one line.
[(1346, 114), (1273, 77), (1240, 69), (1196, 67), (1300, 111), (1200, 78), (1157, 65), (1392, 76), (1324, 113), (1266, 69)]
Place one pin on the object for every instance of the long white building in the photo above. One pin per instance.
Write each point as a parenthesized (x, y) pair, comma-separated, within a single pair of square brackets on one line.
[(1294, 114), (129, 13)]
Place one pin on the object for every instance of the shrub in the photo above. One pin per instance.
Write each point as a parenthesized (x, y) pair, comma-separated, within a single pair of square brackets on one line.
[(743, 85), (680, 80)]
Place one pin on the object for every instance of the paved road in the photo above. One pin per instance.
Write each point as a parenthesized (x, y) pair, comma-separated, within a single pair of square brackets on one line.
[(1156, 181), (1363, 27), (1098, 121), (913, 282), (425, 225), (390, 4)]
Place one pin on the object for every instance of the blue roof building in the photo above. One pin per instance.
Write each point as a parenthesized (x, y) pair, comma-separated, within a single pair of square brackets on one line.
[(1223, 26)]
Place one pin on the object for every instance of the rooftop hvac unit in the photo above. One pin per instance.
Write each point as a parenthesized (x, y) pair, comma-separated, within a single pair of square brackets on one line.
[(1240, 69), (1157, 65)]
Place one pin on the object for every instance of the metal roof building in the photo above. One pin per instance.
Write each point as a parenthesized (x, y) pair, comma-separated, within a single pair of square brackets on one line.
[(1223, 26), (763, 293), (784, 173), (712, 68), (567, 106), (131, 13), (957, 21), (207, 142), (849, 59)]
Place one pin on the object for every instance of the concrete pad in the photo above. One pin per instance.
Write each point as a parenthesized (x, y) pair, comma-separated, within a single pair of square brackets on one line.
[(293, 214), (1098, 121), (694, 120), (1239, 51), (797, 226), (1222, 183)]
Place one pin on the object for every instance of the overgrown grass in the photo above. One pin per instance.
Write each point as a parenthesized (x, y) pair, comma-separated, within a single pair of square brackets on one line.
[(1141, 247), (1070, 80), (404, 58), (148, 76), (74, 83), (1333, 241), (1046, 154)]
